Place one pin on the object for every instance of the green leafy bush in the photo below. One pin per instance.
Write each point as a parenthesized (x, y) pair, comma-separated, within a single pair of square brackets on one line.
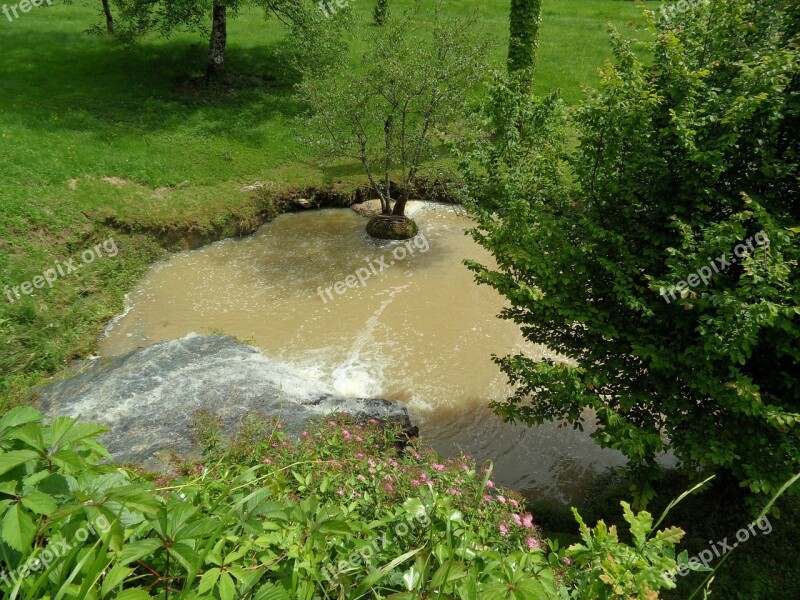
[(601, 244), (347, 511)]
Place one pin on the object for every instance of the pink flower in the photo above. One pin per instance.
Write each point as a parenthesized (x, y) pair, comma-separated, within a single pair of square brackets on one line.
[(359, 455), (503, 529), (371, 462), (454, 492), (501, 499), (389, 487), (490, 484), (527, 520), (438, 467), (517, 520), (359, 438), (332, 423), (567, 561), (375, 421), (415, 482), (415, 454), (279, 426), (513, 503), (486, 469), (267, 461), (394, 463), (532, 543), (361, 477), (487, 498), (304, 434)]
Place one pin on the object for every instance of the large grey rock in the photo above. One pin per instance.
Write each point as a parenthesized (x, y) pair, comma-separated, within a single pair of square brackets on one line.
[(148, 397)]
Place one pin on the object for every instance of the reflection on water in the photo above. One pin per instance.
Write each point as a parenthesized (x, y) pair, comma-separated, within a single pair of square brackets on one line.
[(420, 331)]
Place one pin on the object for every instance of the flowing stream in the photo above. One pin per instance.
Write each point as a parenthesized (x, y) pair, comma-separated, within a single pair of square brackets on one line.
[(419, 331)]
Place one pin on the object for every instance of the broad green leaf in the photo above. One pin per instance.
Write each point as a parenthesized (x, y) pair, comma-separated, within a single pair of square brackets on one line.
[(185, 555), (114, 578), (135, 497), (137, 550), (133, 594), (14, 458), (227, 589), (18, 529), (31, 434), (19, 416), (208, 580), (270, 591), (39, 502)]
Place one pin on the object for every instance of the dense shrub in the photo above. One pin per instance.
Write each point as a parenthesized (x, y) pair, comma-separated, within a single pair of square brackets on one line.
[(346, 511), (659, 253)]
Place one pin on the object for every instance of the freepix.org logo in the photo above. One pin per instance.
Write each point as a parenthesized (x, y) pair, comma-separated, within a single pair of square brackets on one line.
[(375, 267)]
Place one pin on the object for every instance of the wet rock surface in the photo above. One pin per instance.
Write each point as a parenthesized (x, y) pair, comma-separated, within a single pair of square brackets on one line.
[(147, 398), (392, 228)]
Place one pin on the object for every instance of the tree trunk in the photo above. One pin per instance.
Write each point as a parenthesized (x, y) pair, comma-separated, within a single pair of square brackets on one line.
[(219, 39), (109, 16), (400, 205), (523, 45)]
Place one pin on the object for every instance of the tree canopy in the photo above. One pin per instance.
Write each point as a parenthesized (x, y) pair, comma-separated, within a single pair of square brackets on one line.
[(659, 255)]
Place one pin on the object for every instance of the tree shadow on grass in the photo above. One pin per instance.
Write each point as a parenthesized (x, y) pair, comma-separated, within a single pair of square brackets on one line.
[(54, 81)]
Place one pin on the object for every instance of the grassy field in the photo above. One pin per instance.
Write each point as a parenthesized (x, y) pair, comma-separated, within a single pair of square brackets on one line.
[(97, 139)]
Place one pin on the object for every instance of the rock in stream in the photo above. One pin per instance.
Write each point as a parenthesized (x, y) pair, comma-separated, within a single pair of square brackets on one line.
[(147, 398)]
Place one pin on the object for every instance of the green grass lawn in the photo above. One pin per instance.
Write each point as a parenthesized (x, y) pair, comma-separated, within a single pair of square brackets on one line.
[(93, 133)]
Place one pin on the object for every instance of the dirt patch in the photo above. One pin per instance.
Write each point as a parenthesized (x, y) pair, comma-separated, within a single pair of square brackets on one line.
[(115, 181)]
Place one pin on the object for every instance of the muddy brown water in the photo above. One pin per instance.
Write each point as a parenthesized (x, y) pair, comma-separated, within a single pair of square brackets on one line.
[(419, 331)]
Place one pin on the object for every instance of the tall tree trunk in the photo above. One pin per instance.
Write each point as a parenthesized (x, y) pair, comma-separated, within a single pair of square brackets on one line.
[(109, 16), (523, 45), (219, 39)]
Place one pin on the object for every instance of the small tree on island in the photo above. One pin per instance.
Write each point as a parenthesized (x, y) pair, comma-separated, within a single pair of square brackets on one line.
[(388, 113)]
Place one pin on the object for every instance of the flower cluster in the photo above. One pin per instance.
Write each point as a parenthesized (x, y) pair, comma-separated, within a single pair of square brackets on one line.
[(361, 462)]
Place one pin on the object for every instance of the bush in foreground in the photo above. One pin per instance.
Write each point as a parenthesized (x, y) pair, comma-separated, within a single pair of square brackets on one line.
[(347, 511)]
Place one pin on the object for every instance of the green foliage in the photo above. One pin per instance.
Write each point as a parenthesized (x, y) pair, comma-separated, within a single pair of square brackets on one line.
[(312, 32), (523, 45), (381, 12), (606, 568), (388, 115), (346, 511), (678, 162)]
